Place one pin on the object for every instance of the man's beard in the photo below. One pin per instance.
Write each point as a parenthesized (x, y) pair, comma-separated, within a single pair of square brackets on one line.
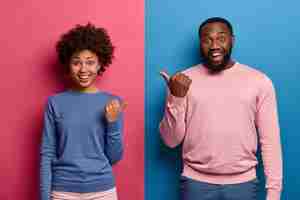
[(213, 67)]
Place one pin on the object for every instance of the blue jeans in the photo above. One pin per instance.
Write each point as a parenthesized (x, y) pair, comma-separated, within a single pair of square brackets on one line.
[(196, 190)]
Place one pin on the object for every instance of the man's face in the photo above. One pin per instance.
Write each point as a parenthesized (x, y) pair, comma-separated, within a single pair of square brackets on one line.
[(215, 45)]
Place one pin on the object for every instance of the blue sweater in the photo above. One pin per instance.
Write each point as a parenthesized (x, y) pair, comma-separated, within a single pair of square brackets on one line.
[(78, 144)]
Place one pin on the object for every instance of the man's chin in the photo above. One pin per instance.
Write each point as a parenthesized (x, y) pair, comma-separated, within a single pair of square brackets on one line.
[(216, 67)]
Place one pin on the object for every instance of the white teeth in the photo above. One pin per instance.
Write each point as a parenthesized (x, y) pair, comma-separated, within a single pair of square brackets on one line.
[(216, 54)]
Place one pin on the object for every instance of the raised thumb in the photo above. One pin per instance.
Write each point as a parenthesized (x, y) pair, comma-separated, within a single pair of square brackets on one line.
[(165, 75)]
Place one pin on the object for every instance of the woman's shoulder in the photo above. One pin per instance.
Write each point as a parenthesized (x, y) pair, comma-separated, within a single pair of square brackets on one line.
[(59, 95), (70, 96)]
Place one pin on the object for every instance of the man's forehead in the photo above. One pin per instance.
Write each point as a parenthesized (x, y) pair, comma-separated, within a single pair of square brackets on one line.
[(215, 27)]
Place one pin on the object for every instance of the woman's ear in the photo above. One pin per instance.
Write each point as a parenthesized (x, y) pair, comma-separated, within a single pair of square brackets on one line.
[(99, 72)]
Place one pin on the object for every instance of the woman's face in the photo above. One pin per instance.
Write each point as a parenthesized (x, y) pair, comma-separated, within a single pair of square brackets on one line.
[(84, 66)]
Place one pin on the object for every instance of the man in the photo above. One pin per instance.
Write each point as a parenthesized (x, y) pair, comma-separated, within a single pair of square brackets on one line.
[(218, 110)]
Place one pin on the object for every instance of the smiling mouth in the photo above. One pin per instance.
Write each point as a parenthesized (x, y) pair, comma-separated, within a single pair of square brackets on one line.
[(84, 78), (216, 56)]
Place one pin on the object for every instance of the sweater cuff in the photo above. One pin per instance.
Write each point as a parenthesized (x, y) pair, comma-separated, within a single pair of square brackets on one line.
[(273, 194), (173, 101)]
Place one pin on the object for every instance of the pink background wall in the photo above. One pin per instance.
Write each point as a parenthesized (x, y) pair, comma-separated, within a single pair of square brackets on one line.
[(29, 30)]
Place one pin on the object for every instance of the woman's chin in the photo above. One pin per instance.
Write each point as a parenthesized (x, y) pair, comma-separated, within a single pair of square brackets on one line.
[(83, 85)]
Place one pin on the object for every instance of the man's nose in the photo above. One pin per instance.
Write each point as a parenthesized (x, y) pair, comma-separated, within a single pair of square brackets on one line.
[(215, 45)]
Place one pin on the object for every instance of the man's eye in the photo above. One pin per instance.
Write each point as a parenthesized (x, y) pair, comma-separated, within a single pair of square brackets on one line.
[(222, 39), (206, 40)]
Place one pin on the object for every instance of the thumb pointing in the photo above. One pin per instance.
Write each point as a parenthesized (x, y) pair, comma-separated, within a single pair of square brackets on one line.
[(165, 75)]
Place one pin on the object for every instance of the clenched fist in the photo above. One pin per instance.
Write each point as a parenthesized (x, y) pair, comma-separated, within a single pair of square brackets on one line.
[(113, 109), (178, 84)]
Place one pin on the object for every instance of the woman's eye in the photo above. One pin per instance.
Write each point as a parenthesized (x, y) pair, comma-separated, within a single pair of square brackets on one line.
[(76, 62), (90, 63)]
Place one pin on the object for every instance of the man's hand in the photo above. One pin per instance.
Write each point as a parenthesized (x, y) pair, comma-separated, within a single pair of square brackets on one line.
[(178, 84), (113, 109)]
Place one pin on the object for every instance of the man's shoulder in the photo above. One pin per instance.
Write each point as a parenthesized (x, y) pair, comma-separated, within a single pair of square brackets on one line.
[(258, 75), (192, 69)]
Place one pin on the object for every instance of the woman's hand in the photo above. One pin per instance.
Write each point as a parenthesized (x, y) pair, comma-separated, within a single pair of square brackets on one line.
[(113, 109)]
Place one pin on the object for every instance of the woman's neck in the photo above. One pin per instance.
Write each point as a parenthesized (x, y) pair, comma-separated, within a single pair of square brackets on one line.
[(86, 90)]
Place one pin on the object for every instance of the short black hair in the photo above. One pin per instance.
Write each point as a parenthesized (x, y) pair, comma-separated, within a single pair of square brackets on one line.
[(214, 20), (85, 37)]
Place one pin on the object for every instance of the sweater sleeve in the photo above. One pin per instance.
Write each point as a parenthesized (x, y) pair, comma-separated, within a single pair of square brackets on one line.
[(114, 141), (173, 125), (47, 152), (269, 134)]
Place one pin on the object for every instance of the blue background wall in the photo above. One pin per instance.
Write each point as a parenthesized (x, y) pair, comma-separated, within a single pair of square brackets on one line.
[(267, 38)]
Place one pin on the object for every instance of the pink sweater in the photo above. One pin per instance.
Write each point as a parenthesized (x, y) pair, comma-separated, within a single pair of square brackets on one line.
[(217, 121)]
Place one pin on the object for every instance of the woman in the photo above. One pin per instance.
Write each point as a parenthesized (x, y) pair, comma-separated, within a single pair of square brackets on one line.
[(82, 136)]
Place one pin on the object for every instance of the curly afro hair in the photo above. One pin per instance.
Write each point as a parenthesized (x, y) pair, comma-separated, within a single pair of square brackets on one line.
[(85, 37)]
